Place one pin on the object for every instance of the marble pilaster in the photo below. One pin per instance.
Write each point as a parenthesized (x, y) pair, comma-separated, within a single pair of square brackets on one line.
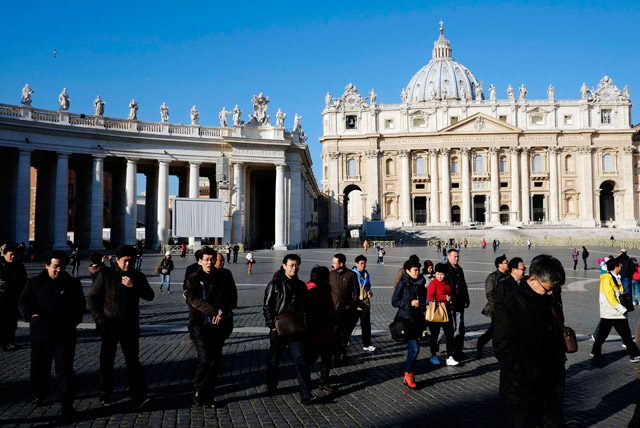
[(466, 186), (434, 202), (494, 216), (446, 186), (61, 203), (23, 193), (97, 204), (516, 217), (405, 193)]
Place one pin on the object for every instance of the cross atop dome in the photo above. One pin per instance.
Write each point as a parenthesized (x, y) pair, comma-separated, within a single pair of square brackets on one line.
[(441, 27), (441, 47)]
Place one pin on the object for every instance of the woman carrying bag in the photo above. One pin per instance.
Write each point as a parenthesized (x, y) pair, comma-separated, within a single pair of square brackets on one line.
[(409, 297), (439, 291)]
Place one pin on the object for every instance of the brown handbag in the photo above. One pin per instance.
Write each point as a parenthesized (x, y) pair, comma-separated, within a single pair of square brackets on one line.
[(290, 323), (569, 336), (437, 312)]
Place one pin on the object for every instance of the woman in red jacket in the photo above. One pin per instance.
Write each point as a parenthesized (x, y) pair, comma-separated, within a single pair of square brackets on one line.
[(439, 290)]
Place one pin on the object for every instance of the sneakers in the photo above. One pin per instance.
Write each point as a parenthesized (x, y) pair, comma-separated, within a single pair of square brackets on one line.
[(308, 400), (452, 361), (369, 348), (593, 339), (635, 359), (168, 292), (326, 388), (435, 361), (160, 290)]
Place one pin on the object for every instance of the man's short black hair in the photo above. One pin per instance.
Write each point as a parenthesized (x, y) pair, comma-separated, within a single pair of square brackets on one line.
[(291, 256), (451, 251), (59, 255), (414, 257), (547, 269), (341, 258), (613, 263), (319, 275), (207, 251), (499, 260), (411, 264), (126, 250), (10, 248), (198, 254), (513, 263), (360, 258), (96, 258)]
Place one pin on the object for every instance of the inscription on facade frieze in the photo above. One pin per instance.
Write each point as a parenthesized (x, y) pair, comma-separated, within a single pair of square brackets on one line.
[(255, 150), (479, 185), (479, 139), (538, 138), (573, 138)]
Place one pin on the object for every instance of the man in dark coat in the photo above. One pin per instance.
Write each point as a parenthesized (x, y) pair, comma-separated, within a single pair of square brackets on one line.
[(505, 286), (345, 291), (460, 299), (13, 276), (490, 283), (627, 271), (114, 301), (212, 296), (53, 304), (236, 249), (285, 294), (528, 344), (191, 269)]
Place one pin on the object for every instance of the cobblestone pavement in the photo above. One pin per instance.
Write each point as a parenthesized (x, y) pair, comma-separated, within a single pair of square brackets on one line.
[(370, 390)]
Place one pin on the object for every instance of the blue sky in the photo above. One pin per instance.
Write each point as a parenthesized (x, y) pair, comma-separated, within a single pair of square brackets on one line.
[(215, 54)]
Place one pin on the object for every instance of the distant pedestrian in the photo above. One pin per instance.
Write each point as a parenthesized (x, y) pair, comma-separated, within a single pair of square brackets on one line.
[(381, 253), (585, 255), (183, 251), (529, 244), (484, 244), (139, 255), (613, 240), (400, 242), (635, 283), (438, 245), (74, 261), (465, 242), (366, 245), (164, 269), (250, 261), (574, 254), (13, 277), (236, 249), (495, 245), (227, 251)]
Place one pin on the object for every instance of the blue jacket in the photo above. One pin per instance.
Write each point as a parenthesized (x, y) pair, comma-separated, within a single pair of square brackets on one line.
[(406, 290)]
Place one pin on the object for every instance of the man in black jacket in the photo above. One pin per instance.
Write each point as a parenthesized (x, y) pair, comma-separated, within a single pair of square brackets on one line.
[(345, 291), (460, 299), (114, 301), (528, 344), (505, 286), (284, 295), (53, 304), (212, 295), (13, 276), (490, 283), (627, 271)]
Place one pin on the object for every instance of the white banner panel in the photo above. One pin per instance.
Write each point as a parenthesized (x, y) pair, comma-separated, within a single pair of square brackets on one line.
[(198, 218)]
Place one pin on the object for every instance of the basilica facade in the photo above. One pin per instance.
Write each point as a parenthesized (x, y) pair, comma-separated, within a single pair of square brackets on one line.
[(452, 152)]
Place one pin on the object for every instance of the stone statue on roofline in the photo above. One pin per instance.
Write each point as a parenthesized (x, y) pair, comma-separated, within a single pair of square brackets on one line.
[(63, 100), (492, 92), (584, 91), (327, 100), (479, 93), (523, 92), (550, 92), (297, 127), (373, 97), (98, 106), (26, 95), (195, 115), (133, 110), (259, 116), (237, 116), (223, 117), (164, 112), (510, 94), (403, 95), (280, 117)]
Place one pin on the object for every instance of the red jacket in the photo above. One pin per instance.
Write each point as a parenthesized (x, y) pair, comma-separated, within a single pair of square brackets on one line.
[(636, 274), (438, 289)]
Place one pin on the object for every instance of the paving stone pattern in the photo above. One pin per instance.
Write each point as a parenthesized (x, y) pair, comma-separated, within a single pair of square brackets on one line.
[(369, 392)]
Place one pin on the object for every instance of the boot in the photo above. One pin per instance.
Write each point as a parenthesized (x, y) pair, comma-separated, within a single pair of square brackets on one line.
[(409, 381)]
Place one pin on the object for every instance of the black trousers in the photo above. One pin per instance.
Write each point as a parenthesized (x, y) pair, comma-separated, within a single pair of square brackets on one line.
[(298, 351), (622, 327), (549, 415), (209, 343), (59, 347), (325, 352), (365, 325), (486, 336), (434, 331), (128, 336), (346, 321), (635, 420)]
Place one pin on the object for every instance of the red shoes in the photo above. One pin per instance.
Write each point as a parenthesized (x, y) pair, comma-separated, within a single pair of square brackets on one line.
[(409, 381)]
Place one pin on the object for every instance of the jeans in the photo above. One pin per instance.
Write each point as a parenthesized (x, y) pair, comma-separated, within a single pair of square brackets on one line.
[(622, 327), (165, 279), (585, 263), (297, 349), (626, 283), (413, 348), (458, 334), (635, 290)]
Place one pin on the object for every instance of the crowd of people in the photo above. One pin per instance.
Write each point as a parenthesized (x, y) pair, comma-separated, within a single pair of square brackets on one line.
[(315, 320)]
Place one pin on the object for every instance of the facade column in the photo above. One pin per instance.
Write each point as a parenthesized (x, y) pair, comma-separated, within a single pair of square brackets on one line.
[(334, 192), (131, 211), (526, 197), (23, 195), (295, 207), (163, 203), (446, 186), (405, 186), (151, 209), (373, 197), (516, 217), (494, 216), (61, 203), (434, 203), (238, 187), (586, 198), (466, 186), (553, 185), (194, 188), (279, 238), (629, 205), (97, 204)]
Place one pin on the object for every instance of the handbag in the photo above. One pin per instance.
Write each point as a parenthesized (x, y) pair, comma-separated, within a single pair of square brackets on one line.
[(290, 323), (401, 328), (569, 336), (165, 271), (437, 312)]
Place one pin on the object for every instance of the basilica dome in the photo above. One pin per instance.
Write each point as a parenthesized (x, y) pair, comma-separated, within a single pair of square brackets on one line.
[(442, 78)]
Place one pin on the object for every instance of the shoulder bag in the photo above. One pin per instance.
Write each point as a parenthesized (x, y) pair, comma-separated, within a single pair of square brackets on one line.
[(623, 297), (401, 328), (569, 336), (290, 323), (437, 312)]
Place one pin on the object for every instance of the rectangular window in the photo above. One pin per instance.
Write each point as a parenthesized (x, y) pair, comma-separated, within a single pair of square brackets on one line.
[(502, 118), (455, 185), (536, 120), (351, 122), (503, 184), (419, 123), (388, 124), (454, 167), (419, 186), (568, 120), (503, 165), (537, 184), (453, 120), (605, 116)]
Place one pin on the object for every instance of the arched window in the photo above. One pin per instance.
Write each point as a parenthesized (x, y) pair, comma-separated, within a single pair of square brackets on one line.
[(419, 166), (503, 164), (607, 163), (569, 164), (352, 168), (454, 165), (537, 163), (326, 172), (478, 163), (388, 170)]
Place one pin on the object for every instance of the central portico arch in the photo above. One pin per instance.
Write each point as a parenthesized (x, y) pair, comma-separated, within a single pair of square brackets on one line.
[(352, 205)]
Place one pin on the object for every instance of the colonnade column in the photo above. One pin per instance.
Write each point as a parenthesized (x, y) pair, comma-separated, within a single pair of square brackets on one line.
[(405, 193), (131, 210), (466, 186), (97, 204), (372, 198), (515, 186), (279, 229), (296, 202), (238, 186), (629, 205), (23, 194), (163, 202), (553, 185), (524, 172), (194, 187), (433, 180), (61, 203), (495, 187), (151, 209), (446, 186)]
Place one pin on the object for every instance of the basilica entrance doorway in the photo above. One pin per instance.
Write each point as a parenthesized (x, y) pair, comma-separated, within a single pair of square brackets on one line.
[(607, 206), (352, 205), (479, 208), (538, 208), (455, 214), (504, 214), (420, 210)]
